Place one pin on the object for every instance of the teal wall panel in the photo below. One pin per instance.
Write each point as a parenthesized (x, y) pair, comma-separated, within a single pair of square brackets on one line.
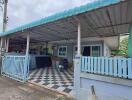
[(130, 42)]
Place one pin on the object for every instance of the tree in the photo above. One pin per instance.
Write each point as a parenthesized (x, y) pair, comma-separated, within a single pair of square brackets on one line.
[(124, 46)]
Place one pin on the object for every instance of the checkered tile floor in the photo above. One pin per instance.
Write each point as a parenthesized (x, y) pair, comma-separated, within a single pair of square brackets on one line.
[(53, 78)]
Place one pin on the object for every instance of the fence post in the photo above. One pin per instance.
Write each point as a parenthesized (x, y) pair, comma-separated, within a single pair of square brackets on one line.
[(77, 63), (77, 70), (129, 68)]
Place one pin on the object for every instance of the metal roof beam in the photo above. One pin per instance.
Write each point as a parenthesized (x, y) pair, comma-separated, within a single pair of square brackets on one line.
[(112, 25)]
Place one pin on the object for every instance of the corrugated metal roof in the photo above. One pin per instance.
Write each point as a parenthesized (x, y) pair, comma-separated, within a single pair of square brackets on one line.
[(65, 14)]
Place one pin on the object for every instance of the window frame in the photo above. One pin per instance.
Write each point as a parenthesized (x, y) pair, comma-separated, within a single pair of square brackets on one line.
[(98, 52), (91, 45), (59, 51)]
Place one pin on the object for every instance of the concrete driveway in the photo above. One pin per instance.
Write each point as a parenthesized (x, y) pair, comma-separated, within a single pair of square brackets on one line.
[(13, 90)]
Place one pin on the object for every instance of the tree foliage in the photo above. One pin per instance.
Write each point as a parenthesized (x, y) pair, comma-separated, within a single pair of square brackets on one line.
[(123, 48)]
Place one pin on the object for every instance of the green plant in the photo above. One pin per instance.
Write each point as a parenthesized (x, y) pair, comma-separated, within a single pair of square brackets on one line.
[(123, 48)]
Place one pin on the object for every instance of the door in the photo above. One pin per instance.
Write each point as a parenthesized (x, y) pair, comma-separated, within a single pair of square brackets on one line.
[(86, 51), (95, 51)]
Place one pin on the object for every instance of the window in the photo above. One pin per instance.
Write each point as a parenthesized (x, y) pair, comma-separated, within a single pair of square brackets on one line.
[(95, 51), (89, 50), (62, 52)]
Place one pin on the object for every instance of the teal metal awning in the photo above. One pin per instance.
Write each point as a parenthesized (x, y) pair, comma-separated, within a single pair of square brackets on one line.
[(99, 18)]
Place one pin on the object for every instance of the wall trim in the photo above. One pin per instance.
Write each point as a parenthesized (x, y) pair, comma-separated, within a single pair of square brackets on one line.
[(108, 79)]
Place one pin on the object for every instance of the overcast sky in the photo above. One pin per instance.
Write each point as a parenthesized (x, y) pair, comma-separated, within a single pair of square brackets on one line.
[(24, 11)]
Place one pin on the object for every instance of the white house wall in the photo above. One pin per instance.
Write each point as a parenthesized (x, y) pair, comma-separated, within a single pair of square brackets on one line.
[(112, 42), (107, 51), (70, 48), (69, 51)]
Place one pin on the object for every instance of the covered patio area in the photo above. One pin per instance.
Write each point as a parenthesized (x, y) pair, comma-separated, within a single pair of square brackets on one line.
[(38, 49), (53, 78)]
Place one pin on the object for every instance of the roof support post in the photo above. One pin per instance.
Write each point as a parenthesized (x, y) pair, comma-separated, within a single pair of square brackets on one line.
[(46, 48), (26, 64), (79, 39), (1, 45), (27, 46), (130, 42), (7, 44), (77, 63)]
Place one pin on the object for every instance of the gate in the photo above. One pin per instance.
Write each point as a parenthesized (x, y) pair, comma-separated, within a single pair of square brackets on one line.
[(15, 67)]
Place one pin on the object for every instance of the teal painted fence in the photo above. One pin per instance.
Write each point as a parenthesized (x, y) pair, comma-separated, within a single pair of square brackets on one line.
[(16, 67), (116, 67)]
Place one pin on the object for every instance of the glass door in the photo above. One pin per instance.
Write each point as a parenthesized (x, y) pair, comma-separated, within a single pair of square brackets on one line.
[(95, 51)]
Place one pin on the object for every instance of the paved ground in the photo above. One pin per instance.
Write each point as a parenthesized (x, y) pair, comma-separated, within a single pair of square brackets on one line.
[(54, 79), (12, 90)]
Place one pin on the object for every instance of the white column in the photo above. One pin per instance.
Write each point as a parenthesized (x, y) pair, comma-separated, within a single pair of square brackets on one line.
[(7, 44), (26, 63), (79, 40), (27, 47), (77, 64), (1, 44)]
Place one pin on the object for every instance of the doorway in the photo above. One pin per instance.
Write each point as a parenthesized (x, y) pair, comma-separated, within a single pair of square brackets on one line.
[(86, 51)]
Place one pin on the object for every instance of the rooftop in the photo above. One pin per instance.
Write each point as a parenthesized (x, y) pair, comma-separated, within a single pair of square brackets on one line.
[(63, 15)]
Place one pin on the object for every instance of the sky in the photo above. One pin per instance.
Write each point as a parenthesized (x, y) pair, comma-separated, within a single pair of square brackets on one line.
[(25, 11)]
